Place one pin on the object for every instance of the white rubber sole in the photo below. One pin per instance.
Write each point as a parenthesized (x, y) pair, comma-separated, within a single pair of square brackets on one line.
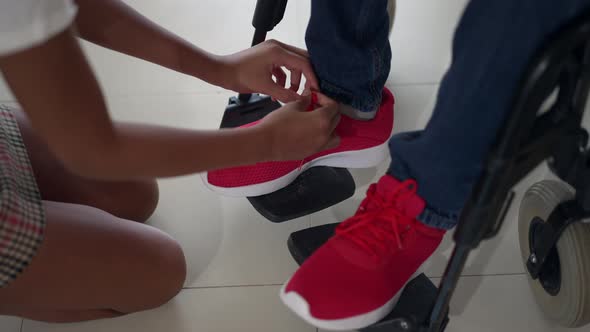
[(300, 307), (365, 158)]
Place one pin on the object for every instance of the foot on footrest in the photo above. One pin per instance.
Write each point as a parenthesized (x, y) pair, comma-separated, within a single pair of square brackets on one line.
[(413, 309), (315, 189)]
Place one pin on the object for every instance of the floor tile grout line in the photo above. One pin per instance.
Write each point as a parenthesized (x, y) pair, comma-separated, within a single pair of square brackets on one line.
[(484, 275), (231, 286), (495, 275), (273, 285), (280, 284)]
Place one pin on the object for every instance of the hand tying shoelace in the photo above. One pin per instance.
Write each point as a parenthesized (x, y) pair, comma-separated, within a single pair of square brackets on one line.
[(363, 144), (312, 106)]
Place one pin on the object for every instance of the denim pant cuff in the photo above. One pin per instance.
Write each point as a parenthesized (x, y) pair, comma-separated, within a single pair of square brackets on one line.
[(430, 216), (357, 105), (433, 218)]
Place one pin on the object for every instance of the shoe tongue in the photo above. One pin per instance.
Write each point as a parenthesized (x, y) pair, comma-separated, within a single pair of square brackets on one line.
[(411, 205)]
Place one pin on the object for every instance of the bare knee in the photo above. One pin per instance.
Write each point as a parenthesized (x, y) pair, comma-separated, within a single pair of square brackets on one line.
[(173, 265), (135, 201), (164, 278), (143, 200)]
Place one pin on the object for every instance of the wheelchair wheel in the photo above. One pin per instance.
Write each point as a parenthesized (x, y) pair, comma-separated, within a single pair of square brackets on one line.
[(563, 290)]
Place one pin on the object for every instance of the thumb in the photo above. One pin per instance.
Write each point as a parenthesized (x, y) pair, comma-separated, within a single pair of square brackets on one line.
[(324, 100), (330, 112), (303, 102), (333, 142), (280, 93)]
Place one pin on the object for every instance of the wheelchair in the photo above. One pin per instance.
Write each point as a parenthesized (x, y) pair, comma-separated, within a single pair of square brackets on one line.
[(545, 125)]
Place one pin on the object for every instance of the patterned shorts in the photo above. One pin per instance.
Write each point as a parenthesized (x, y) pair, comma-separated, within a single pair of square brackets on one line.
[(22, 219)]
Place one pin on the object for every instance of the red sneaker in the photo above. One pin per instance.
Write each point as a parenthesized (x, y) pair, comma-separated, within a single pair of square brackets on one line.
[(355, 279), (363, 144)]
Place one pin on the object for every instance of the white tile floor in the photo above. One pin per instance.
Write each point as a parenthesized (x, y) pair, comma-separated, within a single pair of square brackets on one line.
[(237, 260)]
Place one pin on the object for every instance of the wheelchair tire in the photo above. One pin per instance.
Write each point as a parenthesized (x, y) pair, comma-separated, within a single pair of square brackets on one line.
[(569, 303)]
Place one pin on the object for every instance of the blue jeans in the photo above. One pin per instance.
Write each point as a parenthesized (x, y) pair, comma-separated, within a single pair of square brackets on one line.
[(492, 46), (349, 48)]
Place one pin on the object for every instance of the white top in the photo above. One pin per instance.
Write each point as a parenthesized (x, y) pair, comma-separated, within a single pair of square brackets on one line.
[(28, 23)]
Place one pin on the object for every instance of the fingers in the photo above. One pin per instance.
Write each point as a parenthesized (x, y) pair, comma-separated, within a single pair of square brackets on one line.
[(297, 62), (333, 143), (278, 92), (307, 86), (328, 114), (284, 95), (293, 49), (326, 117), (280, 76), (328, 108), (334, 140), (296, 73), (325, 100), (295, 80), (304, 101), (335, 121), (278, 89)]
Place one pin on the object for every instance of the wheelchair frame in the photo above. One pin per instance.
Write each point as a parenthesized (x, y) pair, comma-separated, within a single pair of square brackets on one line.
[(526, 140)]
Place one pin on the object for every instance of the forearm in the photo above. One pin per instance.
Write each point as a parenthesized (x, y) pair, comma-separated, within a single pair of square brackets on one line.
[(143, 151), (58, 91), (115, 25)]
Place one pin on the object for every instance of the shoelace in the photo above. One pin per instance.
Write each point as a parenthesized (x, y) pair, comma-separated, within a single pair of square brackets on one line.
[(312, 106), (372, 229)]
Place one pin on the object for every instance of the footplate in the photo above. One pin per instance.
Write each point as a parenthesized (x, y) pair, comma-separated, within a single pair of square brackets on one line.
[(314, 190), (413, 309), (240, 112)]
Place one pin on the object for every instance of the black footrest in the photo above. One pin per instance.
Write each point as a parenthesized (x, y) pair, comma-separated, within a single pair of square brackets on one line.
[(303, 243), (240, 112), (413, 309), (314, 190)]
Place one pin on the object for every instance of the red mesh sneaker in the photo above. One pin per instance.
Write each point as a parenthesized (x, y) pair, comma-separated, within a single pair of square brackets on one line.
[(355, 279), (363, 144)]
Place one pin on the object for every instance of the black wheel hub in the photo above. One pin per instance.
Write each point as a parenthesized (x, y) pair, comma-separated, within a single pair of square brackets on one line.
[(550, 273)]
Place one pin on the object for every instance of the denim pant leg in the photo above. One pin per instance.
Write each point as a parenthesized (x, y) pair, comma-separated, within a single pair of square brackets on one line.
[(348, 43), (492, 47)]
